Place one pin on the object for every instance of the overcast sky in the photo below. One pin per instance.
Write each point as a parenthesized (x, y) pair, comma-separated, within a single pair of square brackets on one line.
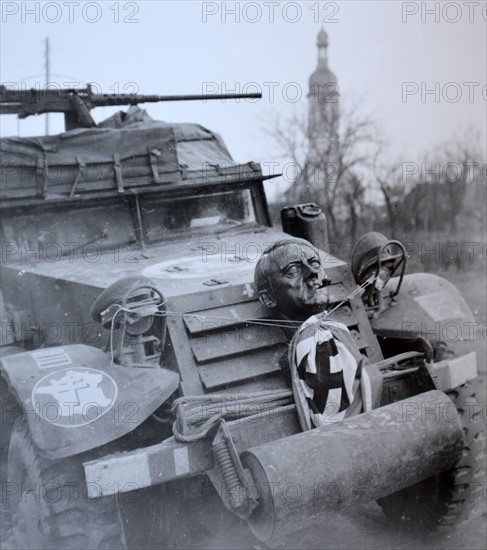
[(164, 47)]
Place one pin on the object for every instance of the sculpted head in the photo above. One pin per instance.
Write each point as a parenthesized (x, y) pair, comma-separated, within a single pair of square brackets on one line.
[(290, 278)]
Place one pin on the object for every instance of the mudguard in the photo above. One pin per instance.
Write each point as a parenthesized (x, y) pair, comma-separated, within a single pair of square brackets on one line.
[(75, 399), (428, 306)]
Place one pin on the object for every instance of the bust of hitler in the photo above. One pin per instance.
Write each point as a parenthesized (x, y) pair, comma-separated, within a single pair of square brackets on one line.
[(323, 358)]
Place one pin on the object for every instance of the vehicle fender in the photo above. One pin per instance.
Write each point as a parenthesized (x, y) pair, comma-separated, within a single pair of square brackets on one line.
[(427, 306), (75, 399)]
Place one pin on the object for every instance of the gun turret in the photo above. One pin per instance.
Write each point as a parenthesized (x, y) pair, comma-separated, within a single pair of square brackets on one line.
[(76, 103)]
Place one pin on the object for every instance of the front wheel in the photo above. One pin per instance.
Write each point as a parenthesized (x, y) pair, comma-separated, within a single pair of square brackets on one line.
[(451, 496), (49, 504)]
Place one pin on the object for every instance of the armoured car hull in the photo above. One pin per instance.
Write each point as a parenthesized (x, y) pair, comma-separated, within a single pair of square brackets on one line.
[(127, 296)]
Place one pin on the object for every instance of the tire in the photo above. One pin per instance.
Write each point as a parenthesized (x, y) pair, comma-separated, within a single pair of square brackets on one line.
[(452, 496), (48, 502)]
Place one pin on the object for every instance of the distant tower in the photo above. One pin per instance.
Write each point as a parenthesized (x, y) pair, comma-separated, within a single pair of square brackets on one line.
[(323, 121), (323, 100)]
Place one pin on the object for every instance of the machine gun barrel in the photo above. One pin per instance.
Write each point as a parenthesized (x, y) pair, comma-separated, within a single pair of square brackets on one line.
[(135, 99), (76, 103)]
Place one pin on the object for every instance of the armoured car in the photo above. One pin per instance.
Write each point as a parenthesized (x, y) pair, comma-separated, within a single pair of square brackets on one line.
[(143, 381)]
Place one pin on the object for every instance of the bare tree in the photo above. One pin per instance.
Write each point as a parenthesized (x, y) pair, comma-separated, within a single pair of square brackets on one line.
[(390, 181), (434, 197), (353, 195), (335, 148), (455, 164)]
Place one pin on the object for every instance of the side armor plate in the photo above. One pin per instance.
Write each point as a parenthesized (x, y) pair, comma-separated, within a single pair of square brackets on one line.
[(74, 399)]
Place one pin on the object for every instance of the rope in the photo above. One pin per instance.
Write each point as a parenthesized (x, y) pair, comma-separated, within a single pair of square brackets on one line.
[(283, 323), (369, 281), (396, 359), (149, 306), (198, 414)]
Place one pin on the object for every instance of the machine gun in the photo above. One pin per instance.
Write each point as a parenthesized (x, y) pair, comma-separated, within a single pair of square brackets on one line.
[(76, 103)]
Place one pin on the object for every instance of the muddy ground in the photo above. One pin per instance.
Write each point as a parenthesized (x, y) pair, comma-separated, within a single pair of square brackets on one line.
[(365, 526)]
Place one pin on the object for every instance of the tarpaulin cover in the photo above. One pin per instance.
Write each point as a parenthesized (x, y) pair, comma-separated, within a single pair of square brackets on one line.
[(127, 151)]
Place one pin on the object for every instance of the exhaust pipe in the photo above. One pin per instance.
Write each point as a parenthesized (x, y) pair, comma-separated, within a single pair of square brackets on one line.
[(362, 459)]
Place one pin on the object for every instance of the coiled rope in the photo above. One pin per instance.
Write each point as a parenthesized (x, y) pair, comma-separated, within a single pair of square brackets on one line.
[(196, 415)]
